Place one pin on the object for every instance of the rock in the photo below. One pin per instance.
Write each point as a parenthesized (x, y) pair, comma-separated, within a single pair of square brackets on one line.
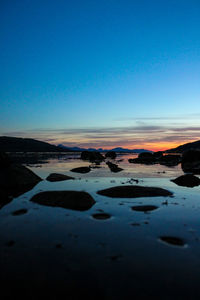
[(170, 160), (18, 179), (58, 177), (113, 167), (145, 155), (131, 191), (191, 161), (14, 181), (157, 155), (82, 170), (111, 154), (188, 180), (144, 208), (74, 200), (144, 158), (172, 240), (101, 216), (92, 156)]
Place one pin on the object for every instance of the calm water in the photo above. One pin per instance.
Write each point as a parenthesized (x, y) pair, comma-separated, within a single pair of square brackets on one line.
[(54, 250)]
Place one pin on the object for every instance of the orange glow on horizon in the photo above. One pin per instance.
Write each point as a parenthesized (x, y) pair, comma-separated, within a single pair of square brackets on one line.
[(162, 146), (153, 146)]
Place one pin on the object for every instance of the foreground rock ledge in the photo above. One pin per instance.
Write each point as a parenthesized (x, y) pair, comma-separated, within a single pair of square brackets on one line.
[(128, 191), (66, 199), (15, 180)]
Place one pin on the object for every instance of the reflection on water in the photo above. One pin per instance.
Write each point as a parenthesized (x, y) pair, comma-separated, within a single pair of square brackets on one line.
[(65, 163), (130, 254)]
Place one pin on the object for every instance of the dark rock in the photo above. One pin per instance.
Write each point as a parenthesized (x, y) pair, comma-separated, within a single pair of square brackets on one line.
[(131, 191), (18, 179), (101, 216), (145, 155), (170, 160), (92, 156), (172, 240), (144, 158), (20, 212), (144, 208), (14, 181), (58, 177), (188, 180), (82, 170), (66, 199), (111, 154), (191, 161), (113, 167), (158, 154)]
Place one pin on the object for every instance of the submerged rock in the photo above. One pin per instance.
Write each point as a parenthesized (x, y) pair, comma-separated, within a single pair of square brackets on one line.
[(187, 180), (113, 167), (144, 208), (58, 177), (82, 170), (131, 191), (172, 240), (66, 199), (191, 161)]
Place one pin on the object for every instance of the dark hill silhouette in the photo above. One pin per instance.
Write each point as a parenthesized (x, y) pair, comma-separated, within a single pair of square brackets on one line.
[(15, 144), (185, 147)]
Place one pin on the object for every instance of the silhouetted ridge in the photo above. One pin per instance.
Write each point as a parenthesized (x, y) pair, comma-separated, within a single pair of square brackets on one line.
[(15, 144), (185, 147)]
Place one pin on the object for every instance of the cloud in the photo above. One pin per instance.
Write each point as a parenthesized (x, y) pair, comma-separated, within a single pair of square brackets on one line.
[(125, 136), (161, 118)]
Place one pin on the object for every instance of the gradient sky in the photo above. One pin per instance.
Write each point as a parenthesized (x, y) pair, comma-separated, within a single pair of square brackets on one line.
[(101, 73)]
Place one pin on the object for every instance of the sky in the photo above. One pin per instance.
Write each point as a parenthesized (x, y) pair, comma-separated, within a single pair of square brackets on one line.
[(101, 73)]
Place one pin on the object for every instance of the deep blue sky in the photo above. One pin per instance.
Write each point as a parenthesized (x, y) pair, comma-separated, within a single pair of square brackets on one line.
[(100, 73)]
